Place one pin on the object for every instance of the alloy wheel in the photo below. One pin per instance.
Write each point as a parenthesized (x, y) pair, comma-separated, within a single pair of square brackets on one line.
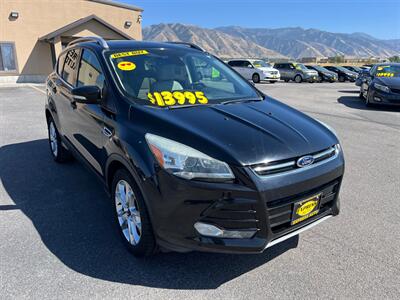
[(53, 139), (128, 212)]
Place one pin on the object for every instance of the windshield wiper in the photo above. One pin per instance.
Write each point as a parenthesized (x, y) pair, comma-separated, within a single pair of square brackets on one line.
[(240, 101), (185, 106)]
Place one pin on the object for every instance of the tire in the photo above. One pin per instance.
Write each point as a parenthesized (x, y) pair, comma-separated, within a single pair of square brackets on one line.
[(286, 80), (367, 100), (342, 79), (59, 153), (272, 81), (361, 95), (132, 218), (255, 78), (298, 79)]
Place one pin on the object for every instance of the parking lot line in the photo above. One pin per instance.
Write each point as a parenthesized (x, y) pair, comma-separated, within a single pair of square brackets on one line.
[(38, 89)]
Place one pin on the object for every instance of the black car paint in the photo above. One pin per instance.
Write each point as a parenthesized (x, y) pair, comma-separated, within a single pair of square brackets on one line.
[(344, 76), (369, 92), (240, 134), (324, 75)]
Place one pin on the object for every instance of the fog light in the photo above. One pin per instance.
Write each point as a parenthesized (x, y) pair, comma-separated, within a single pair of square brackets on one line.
[(214, 231)]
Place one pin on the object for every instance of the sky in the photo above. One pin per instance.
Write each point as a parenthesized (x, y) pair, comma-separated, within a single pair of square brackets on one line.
[(379, 18)]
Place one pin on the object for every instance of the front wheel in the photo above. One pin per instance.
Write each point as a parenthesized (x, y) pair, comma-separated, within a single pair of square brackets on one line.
[(298, 79), (58, 151), (256, 78), (132, 216)]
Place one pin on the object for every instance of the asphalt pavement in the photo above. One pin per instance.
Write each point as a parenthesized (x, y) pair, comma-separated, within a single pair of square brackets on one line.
[(58, 240)]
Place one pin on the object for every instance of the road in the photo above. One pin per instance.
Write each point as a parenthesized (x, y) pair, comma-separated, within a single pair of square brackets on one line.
[(57, 238)]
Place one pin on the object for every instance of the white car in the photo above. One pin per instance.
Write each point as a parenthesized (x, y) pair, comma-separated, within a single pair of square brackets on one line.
[(255, 69)]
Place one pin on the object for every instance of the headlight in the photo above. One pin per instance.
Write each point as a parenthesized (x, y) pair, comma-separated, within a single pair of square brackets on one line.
[(186, 162), (382, 88)]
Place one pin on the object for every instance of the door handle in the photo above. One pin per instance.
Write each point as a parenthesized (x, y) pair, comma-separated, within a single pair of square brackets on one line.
[(107, 132)]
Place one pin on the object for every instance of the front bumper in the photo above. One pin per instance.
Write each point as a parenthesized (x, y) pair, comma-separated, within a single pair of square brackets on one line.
[(379, 97), (270, 77), (251, 202), (310, 78)]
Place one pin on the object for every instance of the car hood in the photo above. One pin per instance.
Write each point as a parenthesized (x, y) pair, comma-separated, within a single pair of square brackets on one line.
[(267, 69), (391, 82), (242, 133)]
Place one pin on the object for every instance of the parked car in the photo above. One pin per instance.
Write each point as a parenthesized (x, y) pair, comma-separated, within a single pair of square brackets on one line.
[(343, 73), (382, 85), (193, 159), (296, 72), (255, 70), (323, 74), (366, 67), (361, 76), (353, 69)]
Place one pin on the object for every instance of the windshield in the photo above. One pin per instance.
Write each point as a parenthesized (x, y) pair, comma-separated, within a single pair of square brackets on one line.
[(301, 67), (340, 68), (170, 77), (321, 69), (261, 64), (388, 71)]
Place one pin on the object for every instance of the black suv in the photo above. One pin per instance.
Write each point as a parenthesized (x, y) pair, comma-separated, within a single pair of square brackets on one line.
[(193, 156)]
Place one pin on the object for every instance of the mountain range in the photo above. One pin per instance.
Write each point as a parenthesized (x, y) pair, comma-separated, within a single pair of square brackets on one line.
[(293, 42)]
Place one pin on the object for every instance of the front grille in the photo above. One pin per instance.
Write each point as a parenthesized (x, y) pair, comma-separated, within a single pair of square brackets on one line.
[(291, 164), (397, 91), (274, 72), (280, 211)]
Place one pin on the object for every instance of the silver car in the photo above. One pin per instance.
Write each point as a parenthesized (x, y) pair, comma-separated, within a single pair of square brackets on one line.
[(255, 70)]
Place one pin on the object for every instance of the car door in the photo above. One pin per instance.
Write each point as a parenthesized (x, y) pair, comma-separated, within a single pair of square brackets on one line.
[(284, 70), (86, 126)]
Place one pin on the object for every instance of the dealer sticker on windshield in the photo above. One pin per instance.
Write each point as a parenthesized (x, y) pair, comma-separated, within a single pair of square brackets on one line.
[(129, 53), (305, 209), (167, 98)]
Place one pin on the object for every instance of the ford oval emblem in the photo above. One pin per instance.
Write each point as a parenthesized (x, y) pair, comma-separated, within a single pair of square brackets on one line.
[(305, 161)]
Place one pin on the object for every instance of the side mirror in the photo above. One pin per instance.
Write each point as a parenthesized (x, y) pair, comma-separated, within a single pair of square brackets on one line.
[(89, 94), (250, 66)]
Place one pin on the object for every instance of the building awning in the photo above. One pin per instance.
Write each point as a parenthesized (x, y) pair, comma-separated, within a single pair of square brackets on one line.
[(93, 23)]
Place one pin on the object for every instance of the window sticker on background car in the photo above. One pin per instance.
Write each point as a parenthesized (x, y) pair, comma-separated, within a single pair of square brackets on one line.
[(382, 67), (167, 98), (384, 74), (126, 66), (129, 53)]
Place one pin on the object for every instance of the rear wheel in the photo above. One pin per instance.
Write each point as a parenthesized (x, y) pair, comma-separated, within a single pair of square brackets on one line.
[(256, 78), (58, 151), (298, 79), (132, 216)]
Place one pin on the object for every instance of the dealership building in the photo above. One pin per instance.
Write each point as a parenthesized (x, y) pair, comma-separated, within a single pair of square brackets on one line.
[(34, 32)]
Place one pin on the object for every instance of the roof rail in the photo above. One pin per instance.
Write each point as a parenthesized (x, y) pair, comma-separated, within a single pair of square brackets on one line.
[(102, 42), (190, 45)]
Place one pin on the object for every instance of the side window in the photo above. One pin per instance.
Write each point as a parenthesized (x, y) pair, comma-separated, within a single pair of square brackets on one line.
[(233, 63), (71, 66), (277, 66), (90, 72), (372, 71), (60, 63)]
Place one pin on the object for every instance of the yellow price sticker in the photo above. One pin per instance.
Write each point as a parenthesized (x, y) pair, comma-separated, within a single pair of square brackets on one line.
[(167, 98), (129, 53), (383, 74)]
